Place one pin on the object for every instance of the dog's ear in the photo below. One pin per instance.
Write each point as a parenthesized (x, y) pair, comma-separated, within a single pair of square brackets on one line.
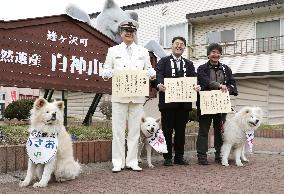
[(143, 120), (40, 102), (132, 14), (158, 120), (59, 104), (109, 4)]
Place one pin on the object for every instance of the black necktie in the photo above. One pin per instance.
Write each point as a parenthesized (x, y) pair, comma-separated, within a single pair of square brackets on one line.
[(181, 73)]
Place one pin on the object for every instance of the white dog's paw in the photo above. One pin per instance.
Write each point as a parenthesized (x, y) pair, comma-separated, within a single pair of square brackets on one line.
[(245, 160), (39, 184), (24, 184), (151, 166), (239, 164), (225, 164)]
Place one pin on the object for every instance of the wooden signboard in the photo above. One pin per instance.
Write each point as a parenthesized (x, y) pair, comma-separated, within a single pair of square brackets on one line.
[(55, 52)]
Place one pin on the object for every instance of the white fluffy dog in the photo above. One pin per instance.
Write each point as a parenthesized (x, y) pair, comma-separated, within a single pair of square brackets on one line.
[(149, 126), (235, 129), (47, 118)]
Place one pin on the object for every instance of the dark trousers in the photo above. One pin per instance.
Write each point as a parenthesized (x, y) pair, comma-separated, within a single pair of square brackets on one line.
[(204, 125), (174, 119)]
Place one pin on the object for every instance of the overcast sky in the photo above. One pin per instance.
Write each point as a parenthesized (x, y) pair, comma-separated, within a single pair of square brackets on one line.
[(21, 9)]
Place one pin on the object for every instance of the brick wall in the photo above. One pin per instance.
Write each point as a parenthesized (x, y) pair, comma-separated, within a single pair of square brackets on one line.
[(13, 158)]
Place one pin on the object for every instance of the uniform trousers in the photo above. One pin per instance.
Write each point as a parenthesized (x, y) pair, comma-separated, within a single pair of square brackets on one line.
[(121, 112)]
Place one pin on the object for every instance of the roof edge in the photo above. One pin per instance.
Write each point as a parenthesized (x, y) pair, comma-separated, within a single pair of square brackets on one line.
[(137, 6), (12, 24), (259, 74), (234, 8)]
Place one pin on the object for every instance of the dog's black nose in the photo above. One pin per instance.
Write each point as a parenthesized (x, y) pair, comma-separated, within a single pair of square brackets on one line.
[(256, 121), (152, 129), (53, 116)]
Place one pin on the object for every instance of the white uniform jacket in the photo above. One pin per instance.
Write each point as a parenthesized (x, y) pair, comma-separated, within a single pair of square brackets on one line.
[(118, 59)]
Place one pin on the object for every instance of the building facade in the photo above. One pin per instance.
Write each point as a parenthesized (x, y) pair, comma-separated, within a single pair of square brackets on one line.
[(251, 33)]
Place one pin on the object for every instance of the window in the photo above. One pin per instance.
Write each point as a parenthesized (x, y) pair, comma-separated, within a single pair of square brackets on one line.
[(2, 107), (220, 36), (2, 96), (267, 36), (168, 32)]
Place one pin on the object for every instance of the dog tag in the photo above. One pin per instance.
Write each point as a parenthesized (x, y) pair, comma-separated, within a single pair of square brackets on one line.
[(41, 149)]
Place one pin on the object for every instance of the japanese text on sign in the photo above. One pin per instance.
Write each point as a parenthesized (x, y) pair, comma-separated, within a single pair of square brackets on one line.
[(180, 89), (130, 83), (9, 56), (78, 64), (215, 101), (41, 149), (71, 39)]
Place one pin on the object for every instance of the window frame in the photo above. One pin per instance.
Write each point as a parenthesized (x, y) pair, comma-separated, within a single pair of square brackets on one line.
[(163, 43), (281, 33), (220, 32)]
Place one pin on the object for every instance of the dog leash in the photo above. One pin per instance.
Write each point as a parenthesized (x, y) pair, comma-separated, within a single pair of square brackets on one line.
[(148, 98)]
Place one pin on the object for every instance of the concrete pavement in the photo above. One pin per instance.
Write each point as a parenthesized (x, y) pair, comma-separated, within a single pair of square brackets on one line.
[(263, 174)]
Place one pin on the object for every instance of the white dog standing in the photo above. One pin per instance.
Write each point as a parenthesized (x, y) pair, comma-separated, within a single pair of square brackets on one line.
[(47, 122), (152, 137), (246, 120)]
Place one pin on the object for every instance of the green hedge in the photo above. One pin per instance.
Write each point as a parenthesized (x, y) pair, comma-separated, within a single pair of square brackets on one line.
[(18, 134), (106, 109), (19, 109)]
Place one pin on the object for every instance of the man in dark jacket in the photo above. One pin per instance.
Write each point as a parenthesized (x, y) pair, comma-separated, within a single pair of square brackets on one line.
[(175, 115), (213, 75)]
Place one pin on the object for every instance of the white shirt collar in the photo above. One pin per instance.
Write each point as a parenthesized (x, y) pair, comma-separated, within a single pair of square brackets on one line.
[(177, 59), (125, 46)]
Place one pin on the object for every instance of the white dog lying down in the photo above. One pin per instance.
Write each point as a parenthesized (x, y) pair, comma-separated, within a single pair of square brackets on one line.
[(151, 134), (246, 120), (47, 121)]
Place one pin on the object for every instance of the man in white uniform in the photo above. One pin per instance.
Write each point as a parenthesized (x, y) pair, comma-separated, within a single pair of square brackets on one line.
[(126, 56)]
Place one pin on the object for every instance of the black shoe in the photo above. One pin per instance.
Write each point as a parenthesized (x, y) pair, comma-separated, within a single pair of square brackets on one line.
[(168, 162), (202, 160), (218, 159), (181, 162)]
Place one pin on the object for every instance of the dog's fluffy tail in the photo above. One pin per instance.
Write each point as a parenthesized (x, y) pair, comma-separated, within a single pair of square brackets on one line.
[(67, 170), (76, 13), (77, 168)]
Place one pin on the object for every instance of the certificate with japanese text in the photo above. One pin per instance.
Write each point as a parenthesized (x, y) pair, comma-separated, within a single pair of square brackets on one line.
[(215, 101), (180, 89), (128, 83)]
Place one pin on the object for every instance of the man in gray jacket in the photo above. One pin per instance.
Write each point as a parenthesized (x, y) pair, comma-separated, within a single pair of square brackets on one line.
[(213, 75)]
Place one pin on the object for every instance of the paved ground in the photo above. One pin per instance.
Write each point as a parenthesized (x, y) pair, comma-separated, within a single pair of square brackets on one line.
[(263, 174)]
